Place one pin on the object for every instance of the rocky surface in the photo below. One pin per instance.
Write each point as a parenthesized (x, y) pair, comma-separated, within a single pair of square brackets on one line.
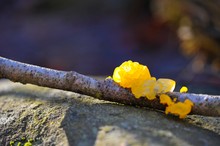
[(56, 117)]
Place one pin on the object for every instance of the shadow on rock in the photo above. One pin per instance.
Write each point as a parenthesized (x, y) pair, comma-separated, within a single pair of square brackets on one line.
[(109, 124)]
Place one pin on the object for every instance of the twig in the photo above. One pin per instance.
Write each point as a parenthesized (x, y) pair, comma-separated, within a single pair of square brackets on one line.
[(105, 90)]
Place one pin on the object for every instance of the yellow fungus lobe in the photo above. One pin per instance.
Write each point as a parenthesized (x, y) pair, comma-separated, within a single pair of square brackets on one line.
[(165, 99), (130, 72), (164, 85), (144, 88), (184, 89), (180, 108)]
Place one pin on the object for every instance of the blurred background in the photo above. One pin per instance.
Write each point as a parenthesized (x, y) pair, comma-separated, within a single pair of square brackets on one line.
[(176, 39)]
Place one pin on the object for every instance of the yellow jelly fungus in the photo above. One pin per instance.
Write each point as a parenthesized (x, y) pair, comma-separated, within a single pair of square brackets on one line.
[(180, 108), (130, 72), (138, 89), (165, 99), (137, 77), (144, 88), (151, 94), (184, 89), (164, 85)]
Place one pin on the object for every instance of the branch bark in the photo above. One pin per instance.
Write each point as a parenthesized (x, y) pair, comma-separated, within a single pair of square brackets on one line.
[(207, 105)]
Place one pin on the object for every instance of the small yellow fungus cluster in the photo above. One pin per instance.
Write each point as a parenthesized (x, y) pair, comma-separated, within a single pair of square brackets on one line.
[(180, 108), (129, 73), (137, 77), (183, 89)]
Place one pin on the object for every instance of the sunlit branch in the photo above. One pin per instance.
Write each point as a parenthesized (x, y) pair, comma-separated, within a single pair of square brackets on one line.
[(207, 105)]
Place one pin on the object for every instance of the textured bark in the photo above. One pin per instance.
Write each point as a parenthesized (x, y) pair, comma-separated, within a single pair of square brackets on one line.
[(105, 90)]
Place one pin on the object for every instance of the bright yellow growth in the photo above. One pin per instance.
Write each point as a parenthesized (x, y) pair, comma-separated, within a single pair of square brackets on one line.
[(144, 88), (165, 85), (165, 99), (184, 89), (130, 72), (137, 77), (180, 109)]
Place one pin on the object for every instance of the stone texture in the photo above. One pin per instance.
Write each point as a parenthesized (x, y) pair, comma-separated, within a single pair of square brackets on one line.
[(56, 117)]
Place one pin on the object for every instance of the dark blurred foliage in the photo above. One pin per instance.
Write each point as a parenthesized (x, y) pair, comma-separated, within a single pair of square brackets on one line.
[(197, 25), (175, 38)]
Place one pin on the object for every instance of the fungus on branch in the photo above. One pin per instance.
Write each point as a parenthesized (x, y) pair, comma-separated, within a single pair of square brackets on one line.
[(105, 90)]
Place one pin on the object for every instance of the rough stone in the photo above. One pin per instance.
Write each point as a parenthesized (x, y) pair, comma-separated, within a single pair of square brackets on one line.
[(56, 117)]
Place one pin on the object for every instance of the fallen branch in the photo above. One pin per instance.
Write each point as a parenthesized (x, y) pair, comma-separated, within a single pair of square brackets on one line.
[(105, 90)]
